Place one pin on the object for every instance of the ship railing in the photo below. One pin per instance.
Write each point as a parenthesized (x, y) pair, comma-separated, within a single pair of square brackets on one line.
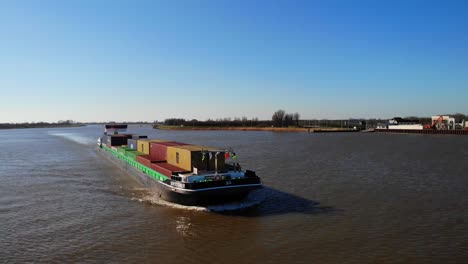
[(154, 174)]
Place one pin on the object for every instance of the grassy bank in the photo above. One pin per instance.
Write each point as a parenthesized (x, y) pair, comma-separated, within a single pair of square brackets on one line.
[(332, 129), (278, 129)]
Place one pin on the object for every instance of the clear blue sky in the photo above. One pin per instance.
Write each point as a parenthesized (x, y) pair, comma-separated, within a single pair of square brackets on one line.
[(150, 60)]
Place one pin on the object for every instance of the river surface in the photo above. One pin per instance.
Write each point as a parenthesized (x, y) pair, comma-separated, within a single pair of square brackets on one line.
[(329, 198)]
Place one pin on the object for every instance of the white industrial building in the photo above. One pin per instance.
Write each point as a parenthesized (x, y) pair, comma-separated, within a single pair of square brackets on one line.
[(407, 126), (400, 123), (438, 122), (443, 122)]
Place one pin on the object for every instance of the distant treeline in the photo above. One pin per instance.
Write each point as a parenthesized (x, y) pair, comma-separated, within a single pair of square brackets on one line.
[(279, 119), (123, 122), (227, 122), (222, 122), (67, 123)]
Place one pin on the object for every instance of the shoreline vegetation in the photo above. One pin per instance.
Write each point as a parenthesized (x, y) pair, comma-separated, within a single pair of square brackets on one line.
[(38, 125), (273, 129), (280, 122)]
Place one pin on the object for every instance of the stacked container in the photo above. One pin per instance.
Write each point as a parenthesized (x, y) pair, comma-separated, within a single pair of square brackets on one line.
[(159, 166), (144, 159), (190, 156), (122, 149), (132, 144), (166, 169), (117, 140), (133, 154), (158, 150), (143, 145), (135, 136)]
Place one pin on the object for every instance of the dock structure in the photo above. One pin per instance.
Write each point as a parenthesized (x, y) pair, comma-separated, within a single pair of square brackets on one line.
[(424, 131), (440, 124)]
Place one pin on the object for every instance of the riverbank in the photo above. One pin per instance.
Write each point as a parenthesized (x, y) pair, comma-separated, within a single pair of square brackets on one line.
[(425, 131), (332, 130), (24, 126), (273, 129)]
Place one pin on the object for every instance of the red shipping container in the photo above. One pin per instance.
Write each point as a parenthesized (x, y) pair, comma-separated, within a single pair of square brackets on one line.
[(144, 160), (166, 169), (158, 150)]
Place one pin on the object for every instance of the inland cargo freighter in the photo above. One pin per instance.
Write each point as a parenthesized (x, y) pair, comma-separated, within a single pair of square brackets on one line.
[(178, 172)]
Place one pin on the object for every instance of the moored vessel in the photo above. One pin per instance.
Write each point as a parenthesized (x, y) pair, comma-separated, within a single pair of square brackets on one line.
[(178, 172)]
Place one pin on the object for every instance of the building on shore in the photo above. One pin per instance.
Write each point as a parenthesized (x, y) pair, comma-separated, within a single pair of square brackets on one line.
[(401, 123), (443, 122), (438, 122)]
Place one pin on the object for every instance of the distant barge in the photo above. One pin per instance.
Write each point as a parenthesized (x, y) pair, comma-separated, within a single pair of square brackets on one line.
[(178, 172)]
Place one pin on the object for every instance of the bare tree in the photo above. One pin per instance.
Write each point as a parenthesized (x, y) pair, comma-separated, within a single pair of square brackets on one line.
[(278, 117), (288, 120), (254, 121), (459, 117), (244, 121), (296, 117)]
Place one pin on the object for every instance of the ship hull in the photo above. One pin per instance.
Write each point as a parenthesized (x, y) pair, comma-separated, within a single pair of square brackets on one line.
[(209, 194)]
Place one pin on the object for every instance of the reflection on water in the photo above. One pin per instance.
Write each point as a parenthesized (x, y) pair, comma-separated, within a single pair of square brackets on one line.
[(183, 225)]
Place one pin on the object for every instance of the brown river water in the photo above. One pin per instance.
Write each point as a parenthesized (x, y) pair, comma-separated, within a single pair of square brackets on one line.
[(329, 198)]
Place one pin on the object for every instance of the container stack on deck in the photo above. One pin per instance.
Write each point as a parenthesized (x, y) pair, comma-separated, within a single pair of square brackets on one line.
[(143, 145), (189, 156), (158, 150), (132, 142), (167, 157), (133, 154), (116, 140)]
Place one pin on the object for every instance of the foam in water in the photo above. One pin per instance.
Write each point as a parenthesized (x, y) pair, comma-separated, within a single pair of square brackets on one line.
[(74, 137), (253, 199)]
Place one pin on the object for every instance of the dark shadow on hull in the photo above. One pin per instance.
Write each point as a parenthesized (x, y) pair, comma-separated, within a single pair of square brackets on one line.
[(275, 202)]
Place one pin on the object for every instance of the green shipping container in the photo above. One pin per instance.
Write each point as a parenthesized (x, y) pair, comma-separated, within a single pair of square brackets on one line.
[(133, 154), (123, 149)]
